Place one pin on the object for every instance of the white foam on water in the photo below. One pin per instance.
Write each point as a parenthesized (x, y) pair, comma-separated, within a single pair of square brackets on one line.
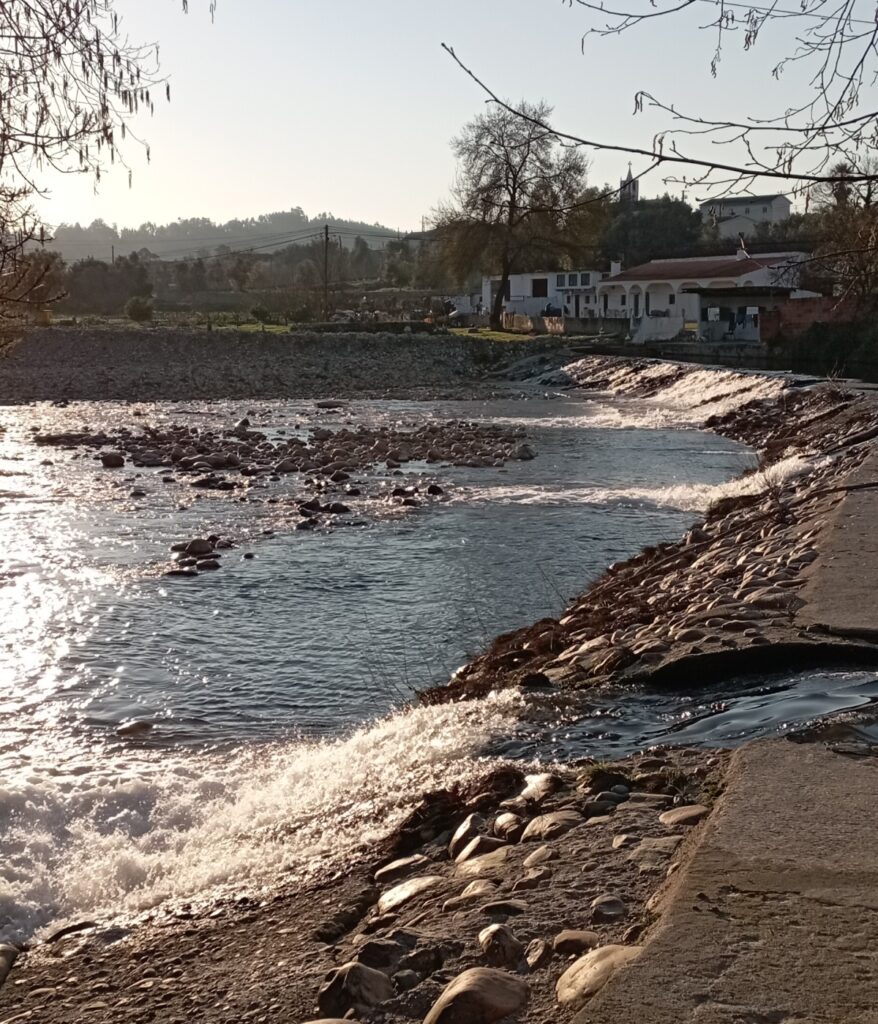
[(109, 839), (686, 497)]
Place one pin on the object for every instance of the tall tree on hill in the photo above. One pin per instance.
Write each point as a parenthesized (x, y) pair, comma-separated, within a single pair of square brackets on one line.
[(511, 204)]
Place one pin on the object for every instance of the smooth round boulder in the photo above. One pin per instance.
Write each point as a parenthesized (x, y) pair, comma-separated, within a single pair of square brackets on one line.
[(689, 815), (588, 975), (112, 460), (481, 995), (550, 826)]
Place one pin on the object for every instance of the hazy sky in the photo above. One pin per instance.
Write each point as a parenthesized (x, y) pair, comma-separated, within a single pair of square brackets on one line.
[(349, 106)]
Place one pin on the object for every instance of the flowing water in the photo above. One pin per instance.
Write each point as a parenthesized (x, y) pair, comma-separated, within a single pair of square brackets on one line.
[(275, 689)]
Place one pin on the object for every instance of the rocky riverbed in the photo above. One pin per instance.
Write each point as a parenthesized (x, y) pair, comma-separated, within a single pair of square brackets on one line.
[(333, 476), (518, 896), (514, 899)]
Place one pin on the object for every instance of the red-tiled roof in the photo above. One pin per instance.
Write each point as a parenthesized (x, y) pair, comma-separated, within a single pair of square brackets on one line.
[(680, 270)]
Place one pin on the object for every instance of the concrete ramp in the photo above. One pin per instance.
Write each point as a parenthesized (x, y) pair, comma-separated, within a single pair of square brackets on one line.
[(773, 919)]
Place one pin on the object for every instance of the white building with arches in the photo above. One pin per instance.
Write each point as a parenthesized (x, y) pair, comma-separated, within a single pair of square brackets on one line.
[(664, 297)]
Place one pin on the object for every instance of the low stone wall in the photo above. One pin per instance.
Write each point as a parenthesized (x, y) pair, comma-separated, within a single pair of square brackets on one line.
[(143, 364)]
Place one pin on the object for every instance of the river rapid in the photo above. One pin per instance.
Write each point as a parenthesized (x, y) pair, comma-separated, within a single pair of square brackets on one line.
[(275, 734)]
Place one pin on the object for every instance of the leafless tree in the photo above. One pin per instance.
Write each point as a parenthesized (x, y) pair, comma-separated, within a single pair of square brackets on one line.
[(834, 42), (71, 82), (515, 188)]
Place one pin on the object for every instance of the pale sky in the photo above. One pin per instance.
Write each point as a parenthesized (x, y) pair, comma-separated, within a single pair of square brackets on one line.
[(348, 106)]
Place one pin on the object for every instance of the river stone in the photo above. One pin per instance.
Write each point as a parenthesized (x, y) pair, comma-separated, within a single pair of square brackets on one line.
[(550, 826), (8, 955), (473, 893), (353, 987), (652, 854), (480, 995), (112, 460), (571, 942), (500, 946), (689, 815), (394, 898), (607, 908), (479, 845), (472, 825), (488, 864), (538, 954), (504, 908), (588, 975), (532, 880), (199, 546), (538, 787), (400, 868), (541, 855), (380, 953), (509, 826)]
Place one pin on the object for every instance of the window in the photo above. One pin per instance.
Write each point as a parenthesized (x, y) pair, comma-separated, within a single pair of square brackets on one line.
[(746, 209), (672, 299), (540, 288), (623, 298), (572, 280), (765, 209), (586, 280), (559, 281)]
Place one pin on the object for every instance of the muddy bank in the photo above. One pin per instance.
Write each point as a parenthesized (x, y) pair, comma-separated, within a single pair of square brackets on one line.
[(727, 598), (522, 877), (145, 364)]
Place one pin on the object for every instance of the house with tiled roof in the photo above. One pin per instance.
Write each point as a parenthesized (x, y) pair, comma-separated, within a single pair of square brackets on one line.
[(740, 215), (715, 297)]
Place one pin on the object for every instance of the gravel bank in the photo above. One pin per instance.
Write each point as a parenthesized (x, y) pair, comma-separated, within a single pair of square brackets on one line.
[(144, 364)]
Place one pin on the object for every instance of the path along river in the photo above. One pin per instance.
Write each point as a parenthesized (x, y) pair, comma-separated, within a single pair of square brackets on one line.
[(274, 687)]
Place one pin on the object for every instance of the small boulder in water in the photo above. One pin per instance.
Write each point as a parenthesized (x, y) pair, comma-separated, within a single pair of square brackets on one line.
[(134, 729), (199, 547), (112, 460)]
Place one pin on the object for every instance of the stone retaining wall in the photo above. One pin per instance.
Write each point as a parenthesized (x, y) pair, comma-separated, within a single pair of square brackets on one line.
[(144, 364)]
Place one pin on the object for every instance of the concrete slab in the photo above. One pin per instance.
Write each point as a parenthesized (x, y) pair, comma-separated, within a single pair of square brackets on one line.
[(773, 919), (842, 594)]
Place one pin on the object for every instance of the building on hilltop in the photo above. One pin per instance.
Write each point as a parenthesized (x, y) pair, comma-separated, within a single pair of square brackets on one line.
[(739, 215), (714, 298), (629, 188)]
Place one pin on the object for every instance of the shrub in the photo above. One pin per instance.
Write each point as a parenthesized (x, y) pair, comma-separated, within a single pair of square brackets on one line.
[(260, 314), (139, 309)]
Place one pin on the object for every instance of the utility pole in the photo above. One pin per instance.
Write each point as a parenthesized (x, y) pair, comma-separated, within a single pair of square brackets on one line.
[(113, 255), (325, 272)]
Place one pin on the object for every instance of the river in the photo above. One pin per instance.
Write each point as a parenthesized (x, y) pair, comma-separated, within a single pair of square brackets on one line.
[(276, 738)]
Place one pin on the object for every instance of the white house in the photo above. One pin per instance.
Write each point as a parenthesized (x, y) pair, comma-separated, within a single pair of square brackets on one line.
[(739, 215), (571, 292), (662, 298)]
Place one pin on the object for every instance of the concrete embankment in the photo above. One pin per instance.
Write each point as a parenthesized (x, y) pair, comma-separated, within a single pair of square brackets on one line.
[(152, 364), (773, 917)]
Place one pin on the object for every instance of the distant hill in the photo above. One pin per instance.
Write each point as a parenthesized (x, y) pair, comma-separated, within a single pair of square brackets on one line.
[(198, 236)]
